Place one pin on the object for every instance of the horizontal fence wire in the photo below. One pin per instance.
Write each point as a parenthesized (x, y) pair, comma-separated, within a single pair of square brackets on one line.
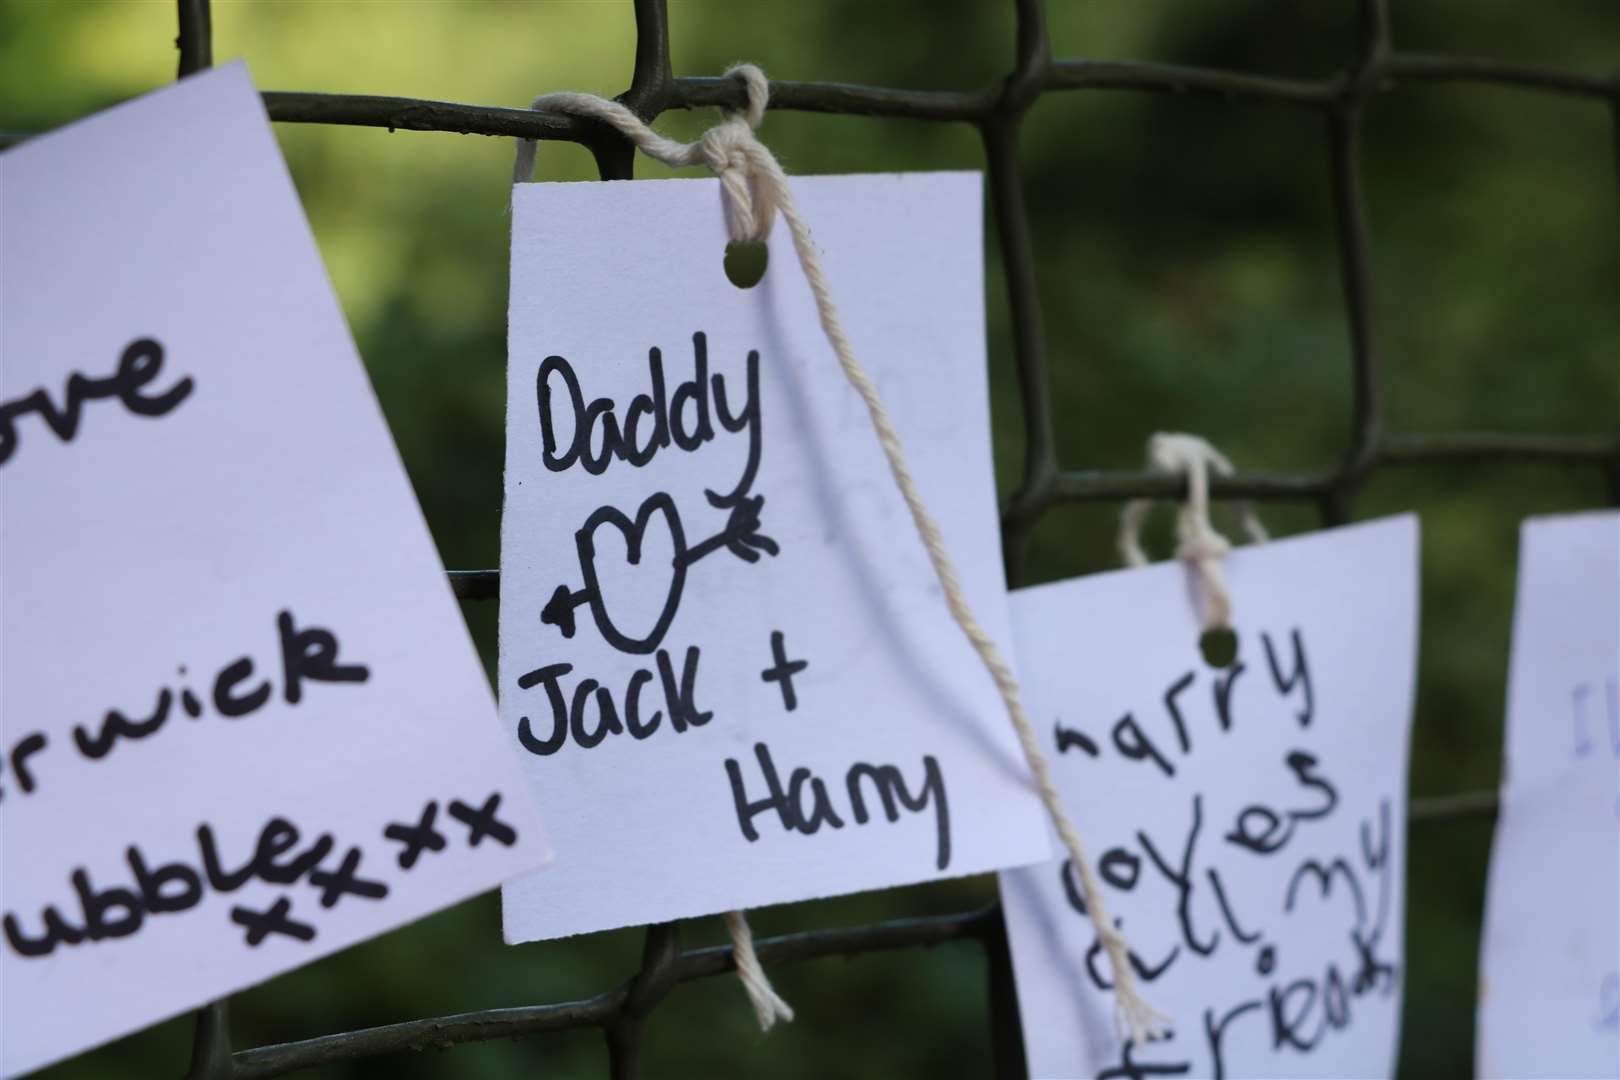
[(997, 111)]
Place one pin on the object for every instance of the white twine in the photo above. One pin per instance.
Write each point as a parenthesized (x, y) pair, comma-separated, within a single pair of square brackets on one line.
[(1198, 543), (768, 1005), (756, 189)]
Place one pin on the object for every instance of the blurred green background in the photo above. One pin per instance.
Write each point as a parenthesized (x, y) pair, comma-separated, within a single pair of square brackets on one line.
[(1190, 283)]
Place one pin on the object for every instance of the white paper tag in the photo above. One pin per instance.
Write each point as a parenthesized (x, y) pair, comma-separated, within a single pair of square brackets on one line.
[(1248, 824), (1550, 962), (244, 726), (725, 660)]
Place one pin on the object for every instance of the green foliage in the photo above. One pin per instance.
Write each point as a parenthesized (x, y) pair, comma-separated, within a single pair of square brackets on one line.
[(1189, 280)]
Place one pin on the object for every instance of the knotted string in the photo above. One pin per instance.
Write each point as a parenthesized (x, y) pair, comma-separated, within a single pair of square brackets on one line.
[(756, 190), (1198, 543), (748, 172)]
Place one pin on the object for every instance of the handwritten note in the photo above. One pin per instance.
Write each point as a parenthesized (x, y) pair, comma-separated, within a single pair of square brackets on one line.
[(1247, 823), (1550, 961), (725, 661), (242, 723)]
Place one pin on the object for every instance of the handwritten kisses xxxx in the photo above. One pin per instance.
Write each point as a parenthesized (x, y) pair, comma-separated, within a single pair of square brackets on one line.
[(280, 856)]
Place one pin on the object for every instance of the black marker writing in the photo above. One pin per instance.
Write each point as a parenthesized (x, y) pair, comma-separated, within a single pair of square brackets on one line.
[(1301, 675), (1076, 896), (1133, 742), (307, 654), (140, 363), (416, 838), (481, 821), (782, 670), (596, 434), (571, 715), (1072, 739), (884, 781), (740, 536), (1264, 831), (281, 856), (1134, 739), (1299, 1004), (23, 749), (116, 911), (1183, 879), (1129, 1068), (261, 924), (682, 418)]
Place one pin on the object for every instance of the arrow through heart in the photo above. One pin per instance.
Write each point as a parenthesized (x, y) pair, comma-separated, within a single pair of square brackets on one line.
[(740, 535)]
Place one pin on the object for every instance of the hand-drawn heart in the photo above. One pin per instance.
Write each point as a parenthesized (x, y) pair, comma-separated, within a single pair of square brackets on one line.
[(634, 533)]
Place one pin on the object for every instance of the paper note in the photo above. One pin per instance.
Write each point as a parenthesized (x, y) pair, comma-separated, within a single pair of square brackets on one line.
[(1248, 824), (243, 725), (725, 661), (1550, 960)]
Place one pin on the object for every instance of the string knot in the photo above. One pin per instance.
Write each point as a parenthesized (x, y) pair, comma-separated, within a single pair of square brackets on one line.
[(748, 173), (743, 166), (1198, 542), (750, 178)]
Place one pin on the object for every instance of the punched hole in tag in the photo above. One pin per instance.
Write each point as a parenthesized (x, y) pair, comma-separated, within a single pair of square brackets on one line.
[(1218, 646), (745, 262)]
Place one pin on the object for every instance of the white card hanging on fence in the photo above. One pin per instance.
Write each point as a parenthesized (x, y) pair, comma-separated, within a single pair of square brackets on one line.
[(1247, 823), (1550, 962), (243, 725), (725, 659)]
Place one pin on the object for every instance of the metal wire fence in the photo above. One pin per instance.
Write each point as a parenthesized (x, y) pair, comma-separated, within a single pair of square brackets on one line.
[(996, 111)]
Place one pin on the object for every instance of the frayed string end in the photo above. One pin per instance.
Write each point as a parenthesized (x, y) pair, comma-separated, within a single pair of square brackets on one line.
[(1138, 1021), (768, 1004)]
